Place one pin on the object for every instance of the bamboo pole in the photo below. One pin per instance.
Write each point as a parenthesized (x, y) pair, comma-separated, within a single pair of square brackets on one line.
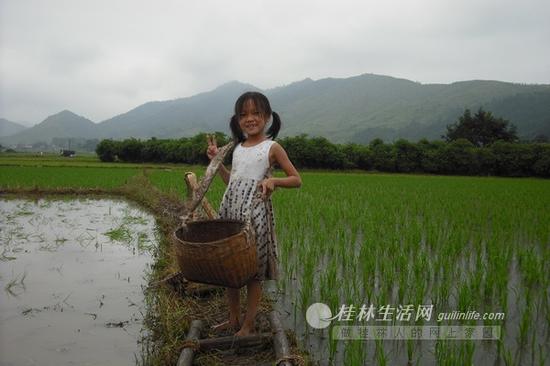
[(211, 170), (192, 186), (187, 354), (280, 343)]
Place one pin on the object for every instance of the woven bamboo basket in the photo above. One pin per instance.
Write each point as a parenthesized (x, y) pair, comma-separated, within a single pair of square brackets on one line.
[(217, 252)]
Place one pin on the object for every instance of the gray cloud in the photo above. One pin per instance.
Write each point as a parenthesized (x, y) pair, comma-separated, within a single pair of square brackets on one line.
[(103, 58)]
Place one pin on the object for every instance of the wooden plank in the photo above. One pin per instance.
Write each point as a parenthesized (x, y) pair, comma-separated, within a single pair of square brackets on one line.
[(187, 354), (232, 341), (280, 343)]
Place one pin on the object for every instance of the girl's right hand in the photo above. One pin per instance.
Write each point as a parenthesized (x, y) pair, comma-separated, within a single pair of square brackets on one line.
[(212, 150)]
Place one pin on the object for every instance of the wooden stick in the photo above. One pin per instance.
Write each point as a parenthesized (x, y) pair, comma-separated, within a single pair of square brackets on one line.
[(192, 186), (203, 291), (187, 354), (232, 341), (204, 183), (182, 285), (177, 276), (280, 343)]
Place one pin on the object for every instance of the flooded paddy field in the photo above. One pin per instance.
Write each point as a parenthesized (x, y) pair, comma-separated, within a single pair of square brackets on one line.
[(449, 244), (72, 276)]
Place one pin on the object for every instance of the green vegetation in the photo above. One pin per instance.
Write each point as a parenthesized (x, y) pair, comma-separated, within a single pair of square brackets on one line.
[(459, 156), (459, 243), (52, 177), (482, 129), (455, 242)]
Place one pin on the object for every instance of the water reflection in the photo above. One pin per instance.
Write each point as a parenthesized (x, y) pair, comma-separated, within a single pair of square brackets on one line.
[(71, 276)]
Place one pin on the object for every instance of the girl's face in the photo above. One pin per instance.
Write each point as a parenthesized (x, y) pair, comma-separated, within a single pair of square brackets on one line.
[(251, 120)]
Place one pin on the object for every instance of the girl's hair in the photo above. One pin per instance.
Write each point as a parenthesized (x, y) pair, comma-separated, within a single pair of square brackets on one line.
[(262, 105)]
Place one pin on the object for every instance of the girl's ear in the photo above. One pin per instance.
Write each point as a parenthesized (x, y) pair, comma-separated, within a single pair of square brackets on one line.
[(273, 130)]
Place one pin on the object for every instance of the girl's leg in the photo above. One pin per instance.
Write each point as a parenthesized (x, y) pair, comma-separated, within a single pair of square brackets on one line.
[(233, 295), (254, 294)]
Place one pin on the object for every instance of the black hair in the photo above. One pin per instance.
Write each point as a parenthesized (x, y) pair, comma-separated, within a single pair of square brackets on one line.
[(262, 105)]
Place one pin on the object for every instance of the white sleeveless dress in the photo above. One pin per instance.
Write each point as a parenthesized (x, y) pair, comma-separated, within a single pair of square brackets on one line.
[(250, 166)]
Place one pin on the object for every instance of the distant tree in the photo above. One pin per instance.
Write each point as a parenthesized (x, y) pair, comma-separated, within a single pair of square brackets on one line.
[(407, 156), (107, 150), (513, 160), (432, 155), (130, 150), (482, 129), (357, 156), (542, 165), (383, 157), (460, 157)]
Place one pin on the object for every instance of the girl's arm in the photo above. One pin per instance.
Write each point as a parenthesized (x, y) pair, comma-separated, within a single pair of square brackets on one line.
[(292, 180), (211, 152)]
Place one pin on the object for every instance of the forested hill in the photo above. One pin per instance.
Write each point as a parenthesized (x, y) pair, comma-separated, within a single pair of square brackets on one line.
[(9, 128), (355, 109), (361, 108)]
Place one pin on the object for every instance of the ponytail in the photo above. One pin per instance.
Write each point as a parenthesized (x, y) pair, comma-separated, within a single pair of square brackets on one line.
[(273, 130), (238, 135)]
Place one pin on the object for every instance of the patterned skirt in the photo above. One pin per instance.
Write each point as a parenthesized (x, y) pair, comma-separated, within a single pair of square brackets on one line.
[(236, 201)]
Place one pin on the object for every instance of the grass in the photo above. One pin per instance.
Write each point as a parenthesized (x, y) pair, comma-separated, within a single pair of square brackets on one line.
[(454, 242)]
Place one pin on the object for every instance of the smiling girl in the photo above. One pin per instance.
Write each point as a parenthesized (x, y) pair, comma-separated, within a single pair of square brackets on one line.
[(254, 156)]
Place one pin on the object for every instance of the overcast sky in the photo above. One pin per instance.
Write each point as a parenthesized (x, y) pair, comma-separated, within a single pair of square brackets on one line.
[(102, 58)]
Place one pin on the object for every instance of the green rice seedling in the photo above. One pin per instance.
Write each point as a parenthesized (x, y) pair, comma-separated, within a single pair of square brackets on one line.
[(468, 350), (508, 358), (143, 242), (354, 353), (525, 323), (4, 257), (332, 343), (52, 177), (121, 233), (16, 286), (410, 350), (380, 355), (542, 356)]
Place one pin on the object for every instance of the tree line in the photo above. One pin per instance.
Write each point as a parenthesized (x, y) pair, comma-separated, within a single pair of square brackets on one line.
[(468, 149)]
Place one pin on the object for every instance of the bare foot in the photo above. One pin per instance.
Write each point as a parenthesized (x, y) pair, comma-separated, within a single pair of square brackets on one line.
[(228, 324), (244, 331)]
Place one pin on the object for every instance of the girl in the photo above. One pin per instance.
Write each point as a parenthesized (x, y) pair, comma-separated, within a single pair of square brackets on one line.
[(254, 155)]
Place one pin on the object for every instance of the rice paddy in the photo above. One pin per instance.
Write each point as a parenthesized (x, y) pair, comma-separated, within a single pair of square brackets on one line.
[(66, 282), (458, 244)]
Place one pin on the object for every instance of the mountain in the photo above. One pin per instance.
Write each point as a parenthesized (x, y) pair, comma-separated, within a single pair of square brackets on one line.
[(364, 107), (355, 109), (180, 117), (8, 128), (62, 124)]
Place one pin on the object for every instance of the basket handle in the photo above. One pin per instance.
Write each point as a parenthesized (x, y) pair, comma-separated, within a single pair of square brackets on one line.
[(205, 182)]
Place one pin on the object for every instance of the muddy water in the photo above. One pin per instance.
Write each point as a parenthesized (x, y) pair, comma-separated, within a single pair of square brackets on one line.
[(72, 276)]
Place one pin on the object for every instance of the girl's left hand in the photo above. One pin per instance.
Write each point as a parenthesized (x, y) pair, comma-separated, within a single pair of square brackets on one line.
[(268, 186)]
